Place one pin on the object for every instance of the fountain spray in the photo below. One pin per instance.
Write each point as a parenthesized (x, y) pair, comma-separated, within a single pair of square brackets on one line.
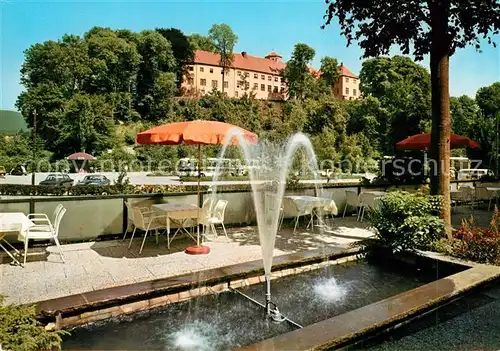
[(267, 210)]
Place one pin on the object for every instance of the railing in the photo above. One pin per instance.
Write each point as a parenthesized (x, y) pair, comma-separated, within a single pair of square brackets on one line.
[(91, 216)]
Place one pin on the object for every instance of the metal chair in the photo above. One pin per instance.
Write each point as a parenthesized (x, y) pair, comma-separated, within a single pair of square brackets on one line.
[(217, 216), (147, 221), (43, 229), (291, 206), (130, 213), (367, 200), (352, 201)]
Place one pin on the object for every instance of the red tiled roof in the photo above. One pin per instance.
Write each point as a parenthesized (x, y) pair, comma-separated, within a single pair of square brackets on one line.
[(273, 54), (345, 72), (249, 62), (259, 64)]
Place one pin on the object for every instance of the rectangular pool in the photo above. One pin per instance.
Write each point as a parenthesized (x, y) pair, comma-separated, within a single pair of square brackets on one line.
[(227, 320)]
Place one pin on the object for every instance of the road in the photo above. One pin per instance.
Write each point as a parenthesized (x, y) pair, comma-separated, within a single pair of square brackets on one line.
[(141, 178)]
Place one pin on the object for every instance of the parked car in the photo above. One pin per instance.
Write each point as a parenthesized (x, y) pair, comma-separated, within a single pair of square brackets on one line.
[(57, 179), (94, 180)]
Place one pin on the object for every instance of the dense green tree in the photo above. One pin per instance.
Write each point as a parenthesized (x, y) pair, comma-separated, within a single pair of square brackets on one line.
[(488, 100), (201, 42), (369, 117), (47, 101), (329, 70), (181, 48), (114, 62), (434, 27), (157, 56), (297, 74), (464, 114), (224, 40), (87, 125)]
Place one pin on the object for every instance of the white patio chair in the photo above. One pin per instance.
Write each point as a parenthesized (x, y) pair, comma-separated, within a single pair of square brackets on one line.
[(147, 221), (43, 229), (130, 215), (217, 217), (48, 222), (367, 200), (291, 206), (329, 209), (205, 214), (352, 201)]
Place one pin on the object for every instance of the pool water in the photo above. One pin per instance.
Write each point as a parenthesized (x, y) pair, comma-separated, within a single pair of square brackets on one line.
[(226, 320), (471, 323)]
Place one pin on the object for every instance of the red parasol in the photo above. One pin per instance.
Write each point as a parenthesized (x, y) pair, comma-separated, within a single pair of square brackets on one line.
[(80, 156), (423, 141)]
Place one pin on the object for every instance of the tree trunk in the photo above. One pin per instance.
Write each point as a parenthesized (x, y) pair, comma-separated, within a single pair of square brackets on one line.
[(223, 75), (441, 122)]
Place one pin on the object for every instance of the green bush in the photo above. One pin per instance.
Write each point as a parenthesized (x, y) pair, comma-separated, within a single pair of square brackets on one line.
[(406, 222), (20, 331)]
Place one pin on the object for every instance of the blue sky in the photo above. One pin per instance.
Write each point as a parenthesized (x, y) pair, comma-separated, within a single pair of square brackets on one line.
[(261, 26)]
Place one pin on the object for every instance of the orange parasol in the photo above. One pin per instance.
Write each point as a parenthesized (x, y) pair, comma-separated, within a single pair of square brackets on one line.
[(193, 132), (423, 141), (196, 132)]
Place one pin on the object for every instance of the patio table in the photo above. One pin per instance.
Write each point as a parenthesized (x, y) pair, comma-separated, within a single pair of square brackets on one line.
[(304, 202), (178, 213), (13, 222), (495, 191)]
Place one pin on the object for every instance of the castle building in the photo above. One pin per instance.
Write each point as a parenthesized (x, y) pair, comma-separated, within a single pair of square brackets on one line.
[(252, 74)]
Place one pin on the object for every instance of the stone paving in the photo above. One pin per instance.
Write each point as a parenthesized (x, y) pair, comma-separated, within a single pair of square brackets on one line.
[(97, 265)]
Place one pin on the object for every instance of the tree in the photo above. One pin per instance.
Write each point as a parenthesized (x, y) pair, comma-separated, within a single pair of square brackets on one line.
[(157, 56), (297, 74), (181, 48), (224, 40), (200, 42), (488, 100), (329, 70), (434, 27), (114, 62), (87, 125)]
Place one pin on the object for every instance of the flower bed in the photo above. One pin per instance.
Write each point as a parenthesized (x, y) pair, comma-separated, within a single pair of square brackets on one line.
[(473, 243)]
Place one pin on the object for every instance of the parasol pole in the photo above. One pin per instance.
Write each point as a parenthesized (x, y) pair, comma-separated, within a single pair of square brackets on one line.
[(199, 195)]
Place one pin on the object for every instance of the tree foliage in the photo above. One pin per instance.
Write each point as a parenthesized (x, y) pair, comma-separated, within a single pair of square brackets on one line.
[(20, 331), (224, 40), (434, 27), (201, 42), (297, 74)]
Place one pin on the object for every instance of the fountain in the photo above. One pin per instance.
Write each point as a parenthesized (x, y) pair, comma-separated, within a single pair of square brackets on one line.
[(274, 170)]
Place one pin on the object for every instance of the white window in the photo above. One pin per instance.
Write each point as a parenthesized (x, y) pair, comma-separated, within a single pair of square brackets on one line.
[(202, 69), (347, 91), (211, 70), (214, 84)]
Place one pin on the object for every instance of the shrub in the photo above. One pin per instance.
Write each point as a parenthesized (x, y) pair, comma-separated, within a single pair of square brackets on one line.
[(474, 243), (406, 222), (20, 331)]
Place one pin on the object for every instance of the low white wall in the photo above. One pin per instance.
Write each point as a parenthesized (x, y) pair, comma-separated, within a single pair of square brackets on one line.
[(87, 218)]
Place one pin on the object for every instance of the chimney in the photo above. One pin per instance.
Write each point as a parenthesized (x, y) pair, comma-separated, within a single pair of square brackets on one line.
[(244, 54)]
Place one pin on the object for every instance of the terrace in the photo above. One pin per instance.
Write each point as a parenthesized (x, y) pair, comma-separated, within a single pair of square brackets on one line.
[(103, 278)]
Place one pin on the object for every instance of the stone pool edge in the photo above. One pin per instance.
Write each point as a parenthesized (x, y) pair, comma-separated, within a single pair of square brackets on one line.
[(350, 327), (79, 309)]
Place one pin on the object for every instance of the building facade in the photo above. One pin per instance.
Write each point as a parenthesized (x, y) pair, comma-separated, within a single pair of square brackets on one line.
[(347, 86), (248, 74), (251, 75)]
